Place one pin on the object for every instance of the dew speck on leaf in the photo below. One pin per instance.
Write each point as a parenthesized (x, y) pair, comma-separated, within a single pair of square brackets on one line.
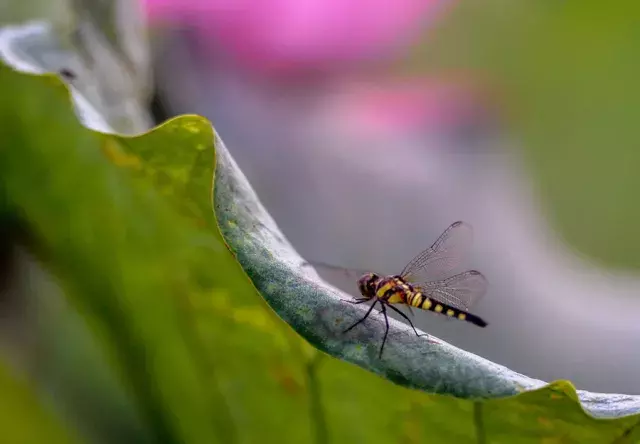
[(192, 127)]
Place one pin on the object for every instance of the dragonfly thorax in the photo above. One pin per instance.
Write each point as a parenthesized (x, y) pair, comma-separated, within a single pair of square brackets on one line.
[(367, 284)]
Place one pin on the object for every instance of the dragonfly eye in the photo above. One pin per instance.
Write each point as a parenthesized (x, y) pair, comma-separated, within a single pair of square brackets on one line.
[(367, 284), (373, 281)]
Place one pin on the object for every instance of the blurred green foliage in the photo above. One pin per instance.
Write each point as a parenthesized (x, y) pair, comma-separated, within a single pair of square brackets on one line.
[(16, 11), (566, 76), (127, 227), (23, 418)]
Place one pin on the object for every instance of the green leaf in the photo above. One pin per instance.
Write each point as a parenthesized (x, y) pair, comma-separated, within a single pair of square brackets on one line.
[(138, 250), (23, 419), (122, 271)]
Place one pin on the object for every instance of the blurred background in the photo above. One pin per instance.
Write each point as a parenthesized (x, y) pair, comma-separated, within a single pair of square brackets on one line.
[(367, 127)]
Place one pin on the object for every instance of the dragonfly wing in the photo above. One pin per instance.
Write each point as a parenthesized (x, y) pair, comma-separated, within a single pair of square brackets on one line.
[(443, 256), (336, 270), (460, 291)]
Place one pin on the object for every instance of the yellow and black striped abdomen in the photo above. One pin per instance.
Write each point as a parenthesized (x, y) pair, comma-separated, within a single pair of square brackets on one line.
[(393, 291), (420, 300)]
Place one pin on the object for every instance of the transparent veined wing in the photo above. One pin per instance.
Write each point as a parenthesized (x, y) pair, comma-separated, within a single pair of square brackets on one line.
[(460, 291), (443, 256), (336, 270)]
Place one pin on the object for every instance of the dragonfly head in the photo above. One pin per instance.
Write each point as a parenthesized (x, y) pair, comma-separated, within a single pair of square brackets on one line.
[(367, 284)]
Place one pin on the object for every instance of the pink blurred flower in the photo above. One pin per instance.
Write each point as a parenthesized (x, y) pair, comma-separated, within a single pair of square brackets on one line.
[(408, 105), (284, 35)]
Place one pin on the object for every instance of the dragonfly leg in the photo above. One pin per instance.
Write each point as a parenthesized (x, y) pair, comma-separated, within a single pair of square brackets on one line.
[(357, 301), (407, 318), (386, 331), (410, 310), (365, 316)]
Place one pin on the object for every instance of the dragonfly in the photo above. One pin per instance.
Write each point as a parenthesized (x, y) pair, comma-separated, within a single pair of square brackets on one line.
[(423, 283)]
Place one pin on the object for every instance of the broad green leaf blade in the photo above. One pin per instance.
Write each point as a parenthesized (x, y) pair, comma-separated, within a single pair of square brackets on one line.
[(94, 400), (70, 366), (23, 419), (93, 229)]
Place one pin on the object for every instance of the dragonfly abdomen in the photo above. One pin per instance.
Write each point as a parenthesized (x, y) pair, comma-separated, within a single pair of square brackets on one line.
[(420, 300)]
